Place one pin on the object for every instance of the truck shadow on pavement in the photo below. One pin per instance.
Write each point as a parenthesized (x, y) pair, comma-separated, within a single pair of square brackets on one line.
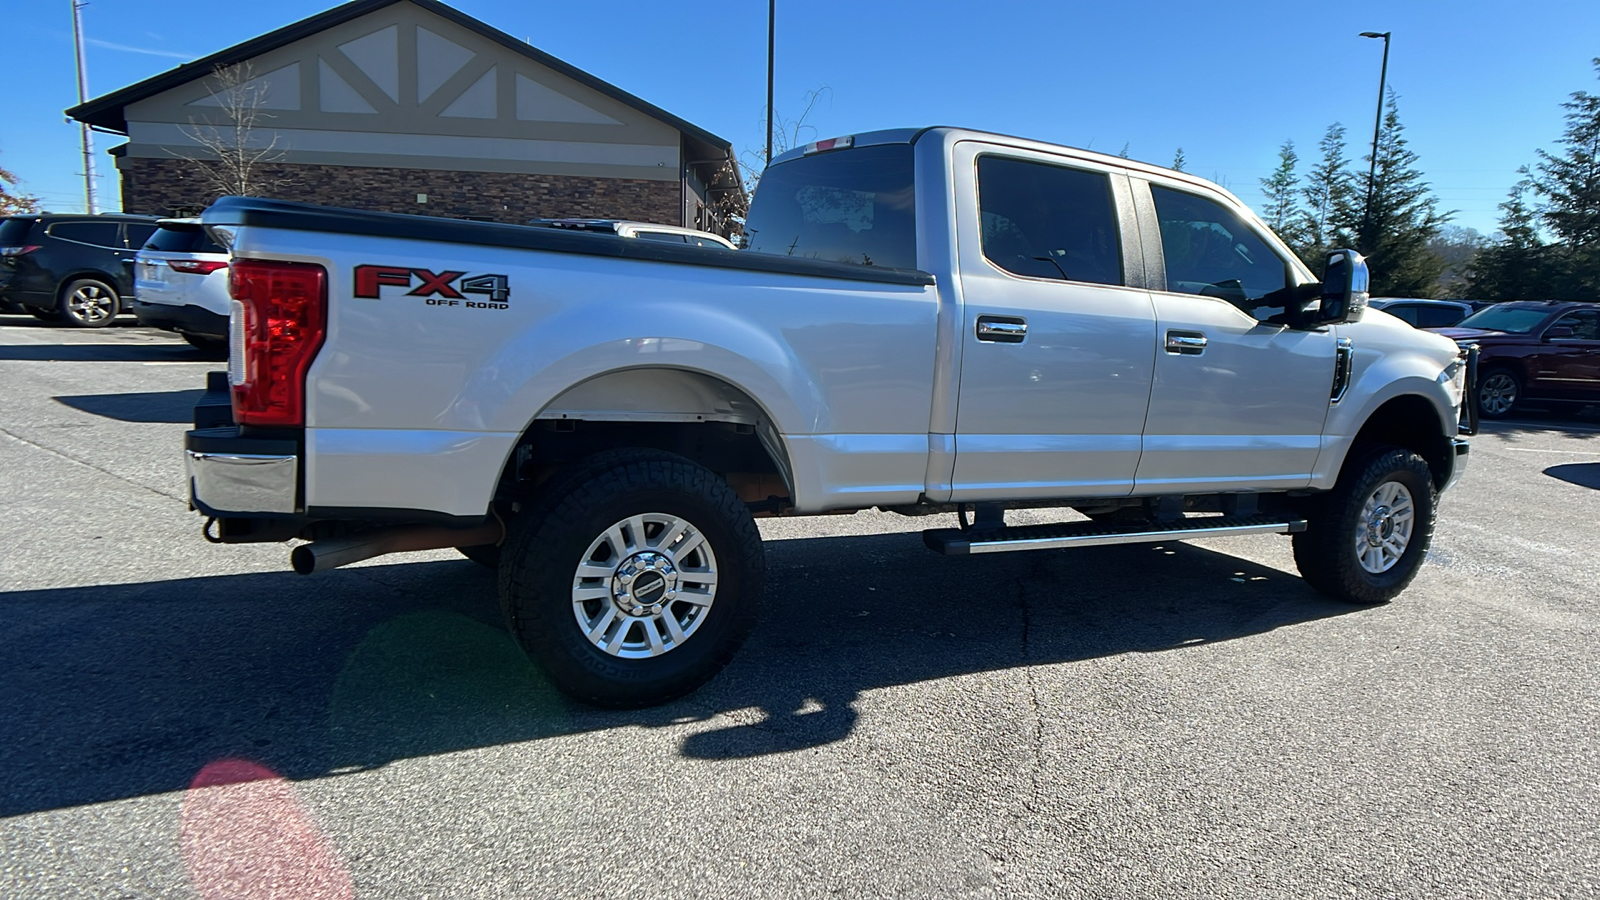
[(119, 691), (175, 407), (104, 352)]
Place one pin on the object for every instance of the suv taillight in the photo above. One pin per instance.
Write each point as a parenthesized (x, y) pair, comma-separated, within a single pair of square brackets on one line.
[(196, 266), (18, 251), (280, 318)]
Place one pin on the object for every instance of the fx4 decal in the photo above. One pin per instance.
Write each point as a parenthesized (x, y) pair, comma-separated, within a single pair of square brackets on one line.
[(438, 288)]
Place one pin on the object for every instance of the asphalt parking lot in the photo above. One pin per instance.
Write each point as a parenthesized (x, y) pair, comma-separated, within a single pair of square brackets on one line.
[(180, 719)]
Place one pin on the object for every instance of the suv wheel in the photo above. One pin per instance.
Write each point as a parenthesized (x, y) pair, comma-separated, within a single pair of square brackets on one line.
[(1498, 393), (89, 303), (633, 579), (1366, 539)]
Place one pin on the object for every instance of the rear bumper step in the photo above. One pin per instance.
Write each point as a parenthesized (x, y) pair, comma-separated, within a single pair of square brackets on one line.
[(955, 542)]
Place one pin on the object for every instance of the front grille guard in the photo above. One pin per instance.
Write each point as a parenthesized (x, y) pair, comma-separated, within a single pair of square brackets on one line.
[(1469, 394)]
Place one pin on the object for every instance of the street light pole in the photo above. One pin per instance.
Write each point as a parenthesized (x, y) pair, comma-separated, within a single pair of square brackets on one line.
[(83, 97), (772, 15), (1377, 125)]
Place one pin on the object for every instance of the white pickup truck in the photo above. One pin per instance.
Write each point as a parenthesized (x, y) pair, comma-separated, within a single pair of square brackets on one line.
[(930, 321)]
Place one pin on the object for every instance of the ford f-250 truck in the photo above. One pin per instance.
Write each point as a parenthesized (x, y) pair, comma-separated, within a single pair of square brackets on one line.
[(929, 322)]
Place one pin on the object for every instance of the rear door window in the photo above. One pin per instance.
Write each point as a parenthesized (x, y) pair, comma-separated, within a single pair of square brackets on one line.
[(1210, 251), (138, 233), (100, 234), (851, 206), (1048, 221)]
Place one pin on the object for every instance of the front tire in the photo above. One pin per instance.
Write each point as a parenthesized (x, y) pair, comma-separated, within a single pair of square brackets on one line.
[(1366, 539), (89, 303), (633, 579), (1499, 392)]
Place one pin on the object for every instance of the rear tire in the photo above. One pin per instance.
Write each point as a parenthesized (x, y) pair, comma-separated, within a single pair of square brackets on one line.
[(633, 579), (1366, 539), (89, 303)]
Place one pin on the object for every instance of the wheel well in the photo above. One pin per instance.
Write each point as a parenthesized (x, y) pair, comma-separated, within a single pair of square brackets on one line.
[(92, 275), (691, 414), (1410, 422)]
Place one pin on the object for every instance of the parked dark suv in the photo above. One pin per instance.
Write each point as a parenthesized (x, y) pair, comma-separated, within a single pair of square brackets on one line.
[(1533, 350), (75, 269)]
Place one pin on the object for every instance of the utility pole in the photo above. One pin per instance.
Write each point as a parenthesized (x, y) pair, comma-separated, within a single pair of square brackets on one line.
[(83, 97), (772, 16), (1377, 125)]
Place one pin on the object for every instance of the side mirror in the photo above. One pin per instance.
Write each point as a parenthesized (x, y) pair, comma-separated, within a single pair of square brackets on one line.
[(1344, 289), (1556, 332)]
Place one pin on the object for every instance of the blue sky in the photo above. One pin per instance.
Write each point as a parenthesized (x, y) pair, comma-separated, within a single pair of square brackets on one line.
[(1480, 83)]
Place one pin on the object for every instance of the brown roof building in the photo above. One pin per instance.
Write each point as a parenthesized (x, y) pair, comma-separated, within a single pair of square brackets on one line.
[(411, 106)]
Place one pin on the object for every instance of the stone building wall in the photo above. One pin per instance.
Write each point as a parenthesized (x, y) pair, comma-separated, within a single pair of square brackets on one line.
[(164, 186)]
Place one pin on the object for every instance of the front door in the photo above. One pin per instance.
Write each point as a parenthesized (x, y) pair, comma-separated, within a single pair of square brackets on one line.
[(1239, 400), (1568, 364), (1056, 350)]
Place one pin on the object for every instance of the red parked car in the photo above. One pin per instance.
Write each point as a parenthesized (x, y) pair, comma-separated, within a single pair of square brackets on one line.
[(1545, 351)]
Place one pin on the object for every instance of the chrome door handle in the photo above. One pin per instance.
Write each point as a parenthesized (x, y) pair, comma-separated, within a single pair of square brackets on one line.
[(1186, 343), (1002, 329)]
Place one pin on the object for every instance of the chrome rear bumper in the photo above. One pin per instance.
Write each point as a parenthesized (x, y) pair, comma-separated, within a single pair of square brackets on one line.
[(221, 483)]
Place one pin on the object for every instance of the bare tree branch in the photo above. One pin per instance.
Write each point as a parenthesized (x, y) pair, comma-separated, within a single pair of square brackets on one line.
[(239, 150)]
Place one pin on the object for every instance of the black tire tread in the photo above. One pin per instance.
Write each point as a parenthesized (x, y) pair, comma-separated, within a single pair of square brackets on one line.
[(1320, 552), (558, 509)]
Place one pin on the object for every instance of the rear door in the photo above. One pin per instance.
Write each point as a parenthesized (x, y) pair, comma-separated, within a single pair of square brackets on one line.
[(1239, 399), (1056, 348)]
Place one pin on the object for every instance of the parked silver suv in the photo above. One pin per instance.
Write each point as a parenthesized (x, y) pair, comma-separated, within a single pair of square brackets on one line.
[(181, 284)]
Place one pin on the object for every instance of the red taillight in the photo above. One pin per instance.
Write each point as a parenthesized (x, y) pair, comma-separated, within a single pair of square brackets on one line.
[(283, 308), (196, 266), (18, 251)]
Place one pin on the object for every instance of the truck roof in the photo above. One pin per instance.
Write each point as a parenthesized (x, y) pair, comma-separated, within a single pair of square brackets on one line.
[(956, 133)]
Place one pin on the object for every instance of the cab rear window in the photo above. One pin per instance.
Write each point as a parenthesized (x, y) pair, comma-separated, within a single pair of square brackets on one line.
[(851, 206)]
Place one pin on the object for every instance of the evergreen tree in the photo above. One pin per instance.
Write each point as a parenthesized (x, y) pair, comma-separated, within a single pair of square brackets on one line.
[(1393, 228), (1515, 267), (1283, 192), (1570, 186), (1178, 162), (1327, 195)]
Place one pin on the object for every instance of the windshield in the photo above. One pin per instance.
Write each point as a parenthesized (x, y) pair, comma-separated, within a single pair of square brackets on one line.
[(850, 206), (1509, 319)]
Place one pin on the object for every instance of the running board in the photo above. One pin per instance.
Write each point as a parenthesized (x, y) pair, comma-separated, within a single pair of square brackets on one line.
[(955, 542)]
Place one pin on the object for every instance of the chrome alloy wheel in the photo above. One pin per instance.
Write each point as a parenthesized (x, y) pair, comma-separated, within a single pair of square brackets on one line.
[(91, 304), (1497, 394), (1384, 529), (644, 586)]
